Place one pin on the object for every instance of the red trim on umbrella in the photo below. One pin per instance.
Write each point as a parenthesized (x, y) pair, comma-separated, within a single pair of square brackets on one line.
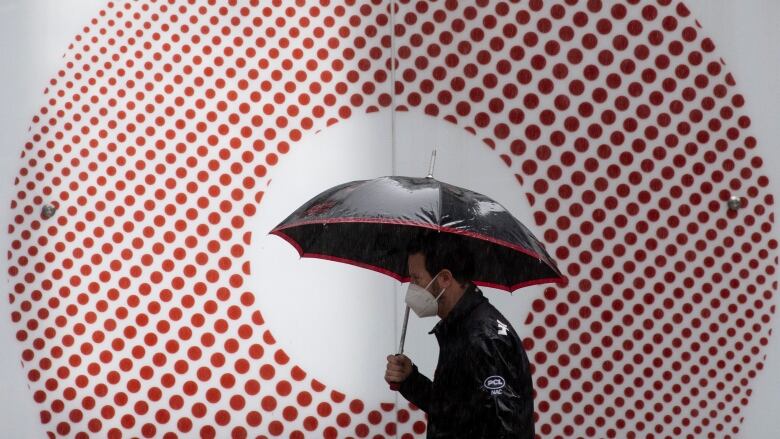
[(520, 285), (399, 277), (381, 270), (289, 239), (415, 224)]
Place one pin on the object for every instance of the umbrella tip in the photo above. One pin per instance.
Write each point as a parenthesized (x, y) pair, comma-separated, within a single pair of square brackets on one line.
[(433, 163)]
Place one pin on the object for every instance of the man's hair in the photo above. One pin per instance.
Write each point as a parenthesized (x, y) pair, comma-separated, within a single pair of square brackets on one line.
[(444, 251)]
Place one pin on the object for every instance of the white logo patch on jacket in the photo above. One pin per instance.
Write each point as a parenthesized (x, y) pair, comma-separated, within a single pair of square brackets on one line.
[(494, 383), (502, 327)]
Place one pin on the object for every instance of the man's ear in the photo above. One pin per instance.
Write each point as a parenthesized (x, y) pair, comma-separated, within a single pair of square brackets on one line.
[(445, 279)]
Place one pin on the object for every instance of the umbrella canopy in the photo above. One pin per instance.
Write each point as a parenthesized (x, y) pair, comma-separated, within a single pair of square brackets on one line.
[(368, 223)]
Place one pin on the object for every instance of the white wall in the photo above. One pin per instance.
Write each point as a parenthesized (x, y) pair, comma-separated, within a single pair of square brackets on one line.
[(35, 33)]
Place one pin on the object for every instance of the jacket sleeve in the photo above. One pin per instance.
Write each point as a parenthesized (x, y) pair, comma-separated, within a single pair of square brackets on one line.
[(500, 390), (417, 389)]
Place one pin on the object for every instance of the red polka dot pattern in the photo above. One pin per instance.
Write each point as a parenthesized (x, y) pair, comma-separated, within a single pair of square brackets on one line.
[(618, 120)]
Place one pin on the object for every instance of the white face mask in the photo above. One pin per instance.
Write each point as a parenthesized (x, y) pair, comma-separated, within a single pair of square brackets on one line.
[(421, 301)]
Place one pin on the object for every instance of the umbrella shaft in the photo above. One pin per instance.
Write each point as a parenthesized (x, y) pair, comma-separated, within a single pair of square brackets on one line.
[(403, 331)]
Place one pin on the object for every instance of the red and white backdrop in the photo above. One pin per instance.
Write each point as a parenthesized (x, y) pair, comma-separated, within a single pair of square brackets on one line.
[(173, 134)]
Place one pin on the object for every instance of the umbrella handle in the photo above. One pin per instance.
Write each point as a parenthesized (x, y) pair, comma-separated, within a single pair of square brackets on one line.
[(396, 386)]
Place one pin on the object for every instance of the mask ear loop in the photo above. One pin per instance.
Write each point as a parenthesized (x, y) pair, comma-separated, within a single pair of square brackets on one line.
[(442, 292), (431, 282), (433, 279)]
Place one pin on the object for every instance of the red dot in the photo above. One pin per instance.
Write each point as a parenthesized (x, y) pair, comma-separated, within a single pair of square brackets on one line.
[(268, 403), (275, 428)]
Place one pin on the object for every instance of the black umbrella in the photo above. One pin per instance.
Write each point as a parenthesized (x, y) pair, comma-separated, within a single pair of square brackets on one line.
[(368, 223)]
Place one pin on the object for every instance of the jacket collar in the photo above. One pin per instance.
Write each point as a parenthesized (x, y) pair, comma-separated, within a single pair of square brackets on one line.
[(471, 298)]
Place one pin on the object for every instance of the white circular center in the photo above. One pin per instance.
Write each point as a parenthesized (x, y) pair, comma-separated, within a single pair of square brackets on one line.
[(339, 322)]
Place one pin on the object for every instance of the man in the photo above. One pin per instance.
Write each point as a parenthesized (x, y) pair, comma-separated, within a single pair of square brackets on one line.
[(482, 385)]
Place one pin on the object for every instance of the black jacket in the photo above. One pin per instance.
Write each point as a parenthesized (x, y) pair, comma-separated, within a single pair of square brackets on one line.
[(482, 386)]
